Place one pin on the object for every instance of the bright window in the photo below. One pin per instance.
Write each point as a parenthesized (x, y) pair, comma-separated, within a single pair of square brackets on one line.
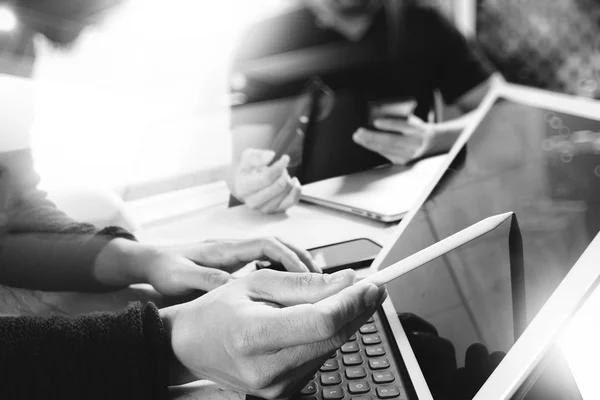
[(142, 97)]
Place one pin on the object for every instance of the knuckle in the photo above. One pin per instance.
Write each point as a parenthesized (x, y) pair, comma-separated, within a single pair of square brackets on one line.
[(255, 381), (216, 277), (281, 183), (263, 280), (338, 340), (301, 281), (259, 380), (242, 342)]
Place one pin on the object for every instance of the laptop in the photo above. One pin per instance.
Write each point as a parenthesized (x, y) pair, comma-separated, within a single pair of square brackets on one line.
[(463, 333), (384, 193)]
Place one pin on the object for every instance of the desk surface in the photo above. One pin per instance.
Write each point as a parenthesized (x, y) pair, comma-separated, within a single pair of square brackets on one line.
[(304, 225)]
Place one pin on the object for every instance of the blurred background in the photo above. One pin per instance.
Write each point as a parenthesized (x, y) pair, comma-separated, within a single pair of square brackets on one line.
[(139, 108)]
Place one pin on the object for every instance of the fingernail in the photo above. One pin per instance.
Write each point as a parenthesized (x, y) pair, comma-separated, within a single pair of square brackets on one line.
[(338, 276), (372, 295)]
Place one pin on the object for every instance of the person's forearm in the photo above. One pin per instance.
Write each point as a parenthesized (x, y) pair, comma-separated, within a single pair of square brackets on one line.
[(57, 262)]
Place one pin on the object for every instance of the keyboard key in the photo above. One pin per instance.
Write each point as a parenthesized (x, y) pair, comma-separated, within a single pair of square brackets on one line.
[(333, 355), (352, 338), (310, 388), (363, 397), (372, 319), (388, 391), (359, 387), (352, 359), (369, 328), (379, 363), (383, 377), (355, 372), (331, 378), (330, 365), (369, 340), (375, 351), (351, 347), (333, 393)]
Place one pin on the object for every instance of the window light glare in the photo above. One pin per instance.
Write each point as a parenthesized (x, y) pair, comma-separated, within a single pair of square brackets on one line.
[(8, 19)]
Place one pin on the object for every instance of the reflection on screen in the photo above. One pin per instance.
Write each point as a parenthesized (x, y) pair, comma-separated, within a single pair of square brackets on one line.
[(544, 166)]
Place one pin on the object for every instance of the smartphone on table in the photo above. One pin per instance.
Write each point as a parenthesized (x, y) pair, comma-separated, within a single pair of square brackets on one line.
[(355, 254)]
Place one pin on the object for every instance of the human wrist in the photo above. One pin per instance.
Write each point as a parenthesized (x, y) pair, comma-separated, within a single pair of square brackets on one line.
[(123, 262), (178, 374)]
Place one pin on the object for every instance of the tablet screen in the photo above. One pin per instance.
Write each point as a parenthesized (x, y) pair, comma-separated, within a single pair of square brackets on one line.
[(544, 166)]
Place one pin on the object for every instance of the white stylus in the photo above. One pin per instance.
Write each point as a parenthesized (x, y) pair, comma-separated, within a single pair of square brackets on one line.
[(436, 250)]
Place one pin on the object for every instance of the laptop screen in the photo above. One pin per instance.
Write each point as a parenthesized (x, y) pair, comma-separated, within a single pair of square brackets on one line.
[(544, 166)]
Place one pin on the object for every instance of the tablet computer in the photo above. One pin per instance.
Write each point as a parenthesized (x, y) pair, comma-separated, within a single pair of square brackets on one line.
[(535, 153)]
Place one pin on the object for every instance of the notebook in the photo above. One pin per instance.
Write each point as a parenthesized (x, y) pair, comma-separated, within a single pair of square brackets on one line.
[(384, 193)]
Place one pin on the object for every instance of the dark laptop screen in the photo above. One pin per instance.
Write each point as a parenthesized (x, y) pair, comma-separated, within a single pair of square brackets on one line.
[(544, 166)]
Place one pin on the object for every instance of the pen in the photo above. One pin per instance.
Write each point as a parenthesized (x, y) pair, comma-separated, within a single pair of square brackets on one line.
[(297, 126), (436, 250)]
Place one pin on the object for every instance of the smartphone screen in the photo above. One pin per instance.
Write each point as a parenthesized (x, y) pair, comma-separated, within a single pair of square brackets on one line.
[(358, 253)]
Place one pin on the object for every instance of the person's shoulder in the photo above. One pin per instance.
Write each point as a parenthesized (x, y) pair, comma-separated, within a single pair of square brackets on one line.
[(288, 30)]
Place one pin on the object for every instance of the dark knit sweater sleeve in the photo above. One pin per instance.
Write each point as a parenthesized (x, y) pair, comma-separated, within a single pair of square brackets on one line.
[(95, 356)]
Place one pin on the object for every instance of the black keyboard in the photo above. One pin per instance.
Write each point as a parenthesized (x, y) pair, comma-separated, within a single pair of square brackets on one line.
[(365, 368)]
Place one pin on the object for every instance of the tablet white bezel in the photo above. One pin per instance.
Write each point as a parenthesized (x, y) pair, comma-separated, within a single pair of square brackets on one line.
[(507, 377), (545, 328)]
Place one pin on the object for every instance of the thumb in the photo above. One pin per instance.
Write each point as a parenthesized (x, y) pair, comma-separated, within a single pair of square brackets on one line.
[(333, 320), (288, 289)]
